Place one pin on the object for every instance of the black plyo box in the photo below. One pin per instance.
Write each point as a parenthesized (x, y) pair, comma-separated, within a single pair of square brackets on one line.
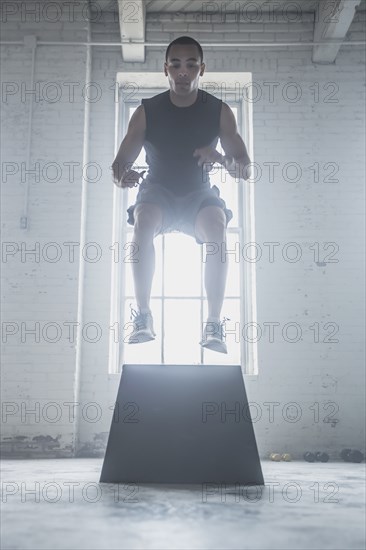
[(182, 424)]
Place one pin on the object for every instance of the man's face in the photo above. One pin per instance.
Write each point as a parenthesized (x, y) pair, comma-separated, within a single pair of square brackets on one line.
[(184, 68)]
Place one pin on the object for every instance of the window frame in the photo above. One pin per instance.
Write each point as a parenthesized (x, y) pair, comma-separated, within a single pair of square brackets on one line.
[(246, 228)]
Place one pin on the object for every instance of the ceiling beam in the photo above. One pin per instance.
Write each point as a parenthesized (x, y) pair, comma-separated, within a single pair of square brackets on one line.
[(132, 23), (333, 19)]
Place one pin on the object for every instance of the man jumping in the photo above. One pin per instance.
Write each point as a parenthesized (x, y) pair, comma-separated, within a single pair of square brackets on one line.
[(179, 130)]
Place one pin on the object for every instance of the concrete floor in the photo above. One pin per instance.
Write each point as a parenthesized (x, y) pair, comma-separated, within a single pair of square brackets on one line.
[(59, 504)]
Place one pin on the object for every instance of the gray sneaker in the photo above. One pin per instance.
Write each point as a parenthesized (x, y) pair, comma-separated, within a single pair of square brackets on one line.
[(143, 330), (213, 336)]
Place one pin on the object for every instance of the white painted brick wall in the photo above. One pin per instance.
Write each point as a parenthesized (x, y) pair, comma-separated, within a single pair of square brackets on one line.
[(35, 288), (306, 212)]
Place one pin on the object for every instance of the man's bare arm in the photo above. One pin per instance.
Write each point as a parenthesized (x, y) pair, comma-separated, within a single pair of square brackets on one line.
[(131, 145), (236, 160)]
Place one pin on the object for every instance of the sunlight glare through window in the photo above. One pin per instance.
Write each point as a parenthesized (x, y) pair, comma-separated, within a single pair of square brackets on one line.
[(178, 301)]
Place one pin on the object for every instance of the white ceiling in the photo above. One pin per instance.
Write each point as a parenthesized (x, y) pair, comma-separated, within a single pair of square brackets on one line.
[(328, 32), (193, 6)]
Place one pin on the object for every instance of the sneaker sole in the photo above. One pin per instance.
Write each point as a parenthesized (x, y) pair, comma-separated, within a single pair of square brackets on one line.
[(141, 337), (215, 345)]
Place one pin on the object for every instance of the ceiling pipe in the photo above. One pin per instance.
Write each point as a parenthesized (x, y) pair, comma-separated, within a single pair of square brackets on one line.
[(204, 45), (30, 41), (81, 279)]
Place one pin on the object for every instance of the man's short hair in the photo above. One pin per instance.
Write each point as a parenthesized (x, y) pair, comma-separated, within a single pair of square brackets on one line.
[(185, 40)]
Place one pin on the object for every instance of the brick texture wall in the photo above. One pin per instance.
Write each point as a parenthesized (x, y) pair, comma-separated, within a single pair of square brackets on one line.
[(309, 143)]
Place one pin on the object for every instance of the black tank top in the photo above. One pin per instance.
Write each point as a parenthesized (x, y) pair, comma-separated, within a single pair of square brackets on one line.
[(172, 135)]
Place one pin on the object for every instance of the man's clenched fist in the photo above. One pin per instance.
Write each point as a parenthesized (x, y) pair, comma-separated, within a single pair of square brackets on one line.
[(126, 178)]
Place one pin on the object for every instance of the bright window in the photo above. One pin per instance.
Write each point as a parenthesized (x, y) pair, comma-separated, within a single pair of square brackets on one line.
[(178, 299)]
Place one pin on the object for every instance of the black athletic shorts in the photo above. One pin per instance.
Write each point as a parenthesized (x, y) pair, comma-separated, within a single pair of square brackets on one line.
[(179, 212)]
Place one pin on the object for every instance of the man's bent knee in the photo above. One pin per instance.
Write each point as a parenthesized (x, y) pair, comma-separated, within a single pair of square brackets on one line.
[(210, 223), (148, 218)]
